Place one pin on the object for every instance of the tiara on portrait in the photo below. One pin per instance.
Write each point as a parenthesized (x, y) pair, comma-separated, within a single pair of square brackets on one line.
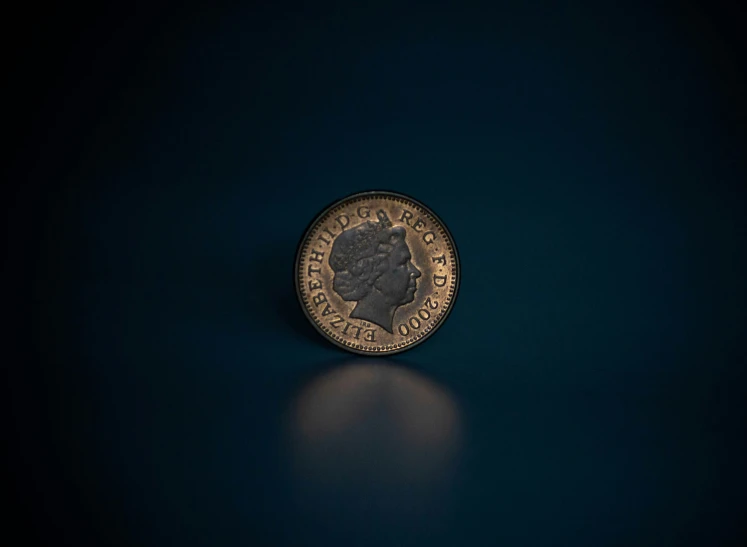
[(362, 238), (369, 231), (384, 221)]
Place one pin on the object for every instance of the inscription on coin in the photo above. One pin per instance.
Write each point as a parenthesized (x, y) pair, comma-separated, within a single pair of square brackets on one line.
[(377, 273)]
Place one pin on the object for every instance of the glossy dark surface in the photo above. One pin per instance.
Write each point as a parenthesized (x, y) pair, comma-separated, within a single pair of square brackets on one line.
[(587, 390)]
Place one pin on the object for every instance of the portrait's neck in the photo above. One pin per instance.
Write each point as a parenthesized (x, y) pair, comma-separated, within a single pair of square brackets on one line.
[(375, 309)]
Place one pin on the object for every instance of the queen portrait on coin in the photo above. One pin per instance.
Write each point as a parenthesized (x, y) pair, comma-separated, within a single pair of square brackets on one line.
[(373, 267)]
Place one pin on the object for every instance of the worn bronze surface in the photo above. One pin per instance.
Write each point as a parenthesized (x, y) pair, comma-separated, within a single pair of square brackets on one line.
[(377, 273)]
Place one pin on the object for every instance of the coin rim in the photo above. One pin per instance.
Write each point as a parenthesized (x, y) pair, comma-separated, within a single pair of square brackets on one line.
[(311, 226)]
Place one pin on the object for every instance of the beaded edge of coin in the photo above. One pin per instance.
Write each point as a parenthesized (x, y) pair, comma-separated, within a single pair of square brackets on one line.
[(389, 349)]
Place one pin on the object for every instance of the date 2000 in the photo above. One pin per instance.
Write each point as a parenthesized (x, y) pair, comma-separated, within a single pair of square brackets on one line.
[(423, 314)]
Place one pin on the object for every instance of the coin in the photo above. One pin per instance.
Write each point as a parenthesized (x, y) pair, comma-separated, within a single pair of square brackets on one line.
[(377, 273)]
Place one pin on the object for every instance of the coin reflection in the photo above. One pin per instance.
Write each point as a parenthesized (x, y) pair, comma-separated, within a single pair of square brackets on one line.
[(374, 421)]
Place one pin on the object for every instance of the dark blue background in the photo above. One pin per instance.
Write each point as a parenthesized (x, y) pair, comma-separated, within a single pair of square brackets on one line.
[(589, 162)]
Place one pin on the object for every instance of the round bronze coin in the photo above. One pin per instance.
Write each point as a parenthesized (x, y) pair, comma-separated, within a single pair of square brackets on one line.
[(377, 273)]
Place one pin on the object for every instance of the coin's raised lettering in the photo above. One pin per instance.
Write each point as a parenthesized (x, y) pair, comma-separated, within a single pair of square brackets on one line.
[(343, 221)]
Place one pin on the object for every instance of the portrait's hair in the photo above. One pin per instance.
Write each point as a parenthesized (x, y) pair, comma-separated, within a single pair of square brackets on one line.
[(360, 255)]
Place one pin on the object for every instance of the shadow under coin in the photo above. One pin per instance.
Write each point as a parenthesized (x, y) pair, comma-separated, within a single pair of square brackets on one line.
[(271, 273), (373, 422)]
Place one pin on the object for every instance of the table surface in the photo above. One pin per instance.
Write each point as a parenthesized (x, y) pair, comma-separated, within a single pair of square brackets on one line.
[(588, 388)]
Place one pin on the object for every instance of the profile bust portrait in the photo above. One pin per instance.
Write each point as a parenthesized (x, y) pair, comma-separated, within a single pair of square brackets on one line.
[(372, 265)]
